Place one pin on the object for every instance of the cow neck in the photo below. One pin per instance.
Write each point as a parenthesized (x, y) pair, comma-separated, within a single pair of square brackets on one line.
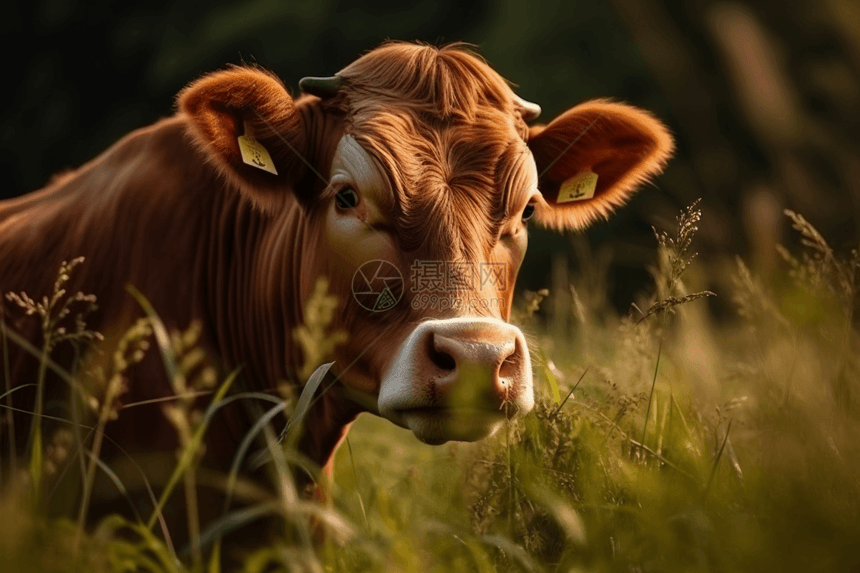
[(257, 281), (252, 296)]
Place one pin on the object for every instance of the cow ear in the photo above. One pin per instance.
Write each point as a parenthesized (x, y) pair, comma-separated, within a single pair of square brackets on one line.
[(591, 159), (253, 105)]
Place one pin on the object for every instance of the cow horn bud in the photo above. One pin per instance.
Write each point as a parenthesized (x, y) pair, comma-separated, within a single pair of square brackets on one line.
[(527, 109), (322, 87)]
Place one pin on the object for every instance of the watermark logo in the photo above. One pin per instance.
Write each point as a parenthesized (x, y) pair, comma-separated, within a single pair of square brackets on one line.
[(377, 285), (453, 276)]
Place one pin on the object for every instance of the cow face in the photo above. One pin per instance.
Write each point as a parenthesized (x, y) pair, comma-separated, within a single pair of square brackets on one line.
[(417, 176), (448, 365)]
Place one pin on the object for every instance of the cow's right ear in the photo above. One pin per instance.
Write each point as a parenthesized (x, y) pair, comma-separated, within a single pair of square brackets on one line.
[(253, 105), (592, 157)]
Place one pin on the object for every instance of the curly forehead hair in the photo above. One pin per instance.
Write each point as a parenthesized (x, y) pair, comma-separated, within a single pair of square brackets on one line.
[(446, 130), (447, 82)]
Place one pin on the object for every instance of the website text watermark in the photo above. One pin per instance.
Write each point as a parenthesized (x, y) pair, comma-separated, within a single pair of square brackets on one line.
[(378, 285)]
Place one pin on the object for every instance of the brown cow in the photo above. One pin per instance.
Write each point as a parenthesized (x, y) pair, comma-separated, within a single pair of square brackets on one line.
[(406, 180)]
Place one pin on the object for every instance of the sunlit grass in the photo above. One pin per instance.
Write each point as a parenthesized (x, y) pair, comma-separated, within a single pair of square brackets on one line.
[(663, 442)]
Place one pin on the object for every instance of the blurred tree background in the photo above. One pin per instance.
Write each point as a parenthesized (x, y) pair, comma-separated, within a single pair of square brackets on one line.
[(763, 97)]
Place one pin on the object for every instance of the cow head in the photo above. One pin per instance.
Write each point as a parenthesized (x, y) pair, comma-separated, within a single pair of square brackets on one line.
[(417, 175)]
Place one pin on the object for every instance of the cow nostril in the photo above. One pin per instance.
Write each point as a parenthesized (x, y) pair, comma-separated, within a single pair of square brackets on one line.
[(442, 359), (510, 366)]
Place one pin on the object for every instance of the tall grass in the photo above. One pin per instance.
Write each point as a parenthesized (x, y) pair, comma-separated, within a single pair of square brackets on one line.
[(53, 311), (660, 441)]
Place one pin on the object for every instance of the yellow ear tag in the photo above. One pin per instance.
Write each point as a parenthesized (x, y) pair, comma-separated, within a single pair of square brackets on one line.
[(578, 188), (253, 153)]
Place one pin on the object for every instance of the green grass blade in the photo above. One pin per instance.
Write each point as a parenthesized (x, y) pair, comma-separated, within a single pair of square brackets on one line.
[(36, 352), (654, 380), (717, 461), (304, 403), (162, 338), (569, 394), (215, 557), (357, 490), (7, 376), (36, 464), (188, 453), (243, 449), (551, 380)]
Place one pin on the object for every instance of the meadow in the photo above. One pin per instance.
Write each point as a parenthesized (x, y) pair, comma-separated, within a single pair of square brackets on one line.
[(664, 439)]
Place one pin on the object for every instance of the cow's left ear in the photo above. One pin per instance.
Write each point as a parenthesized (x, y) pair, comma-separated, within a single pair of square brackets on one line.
[(591, 159), (247, 125)]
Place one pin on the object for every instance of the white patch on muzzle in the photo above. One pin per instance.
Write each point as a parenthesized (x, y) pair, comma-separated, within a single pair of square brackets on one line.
[(458, 379)]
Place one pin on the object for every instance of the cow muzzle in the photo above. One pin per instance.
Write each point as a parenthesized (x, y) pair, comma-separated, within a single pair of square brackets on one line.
[(458, 379)]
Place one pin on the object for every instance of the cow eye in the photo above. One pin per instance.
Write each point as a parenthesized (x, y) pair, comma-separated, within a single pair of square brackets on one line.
[(528, 211), (346, 198)]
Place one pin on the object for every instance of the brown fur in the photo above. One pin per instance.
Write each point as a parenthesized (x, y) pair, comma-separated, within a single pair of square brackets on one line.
[(173, 210)]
